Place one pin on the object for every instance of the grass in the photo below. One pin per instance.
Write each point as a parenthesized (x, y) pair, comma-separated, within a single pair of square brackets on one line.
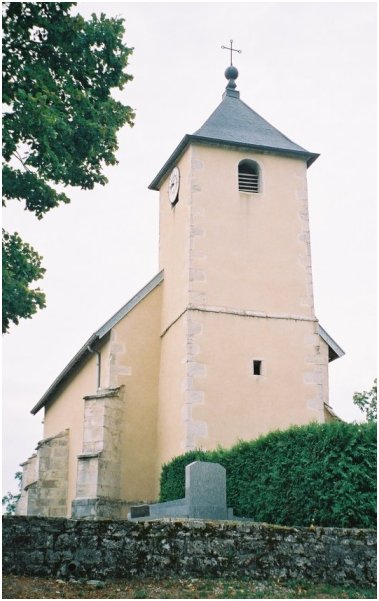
[(23, 587)]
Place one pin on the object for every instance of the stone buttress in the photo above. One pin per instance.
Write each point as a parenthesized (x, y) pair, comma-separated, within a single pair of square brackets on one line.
[(98, 476)]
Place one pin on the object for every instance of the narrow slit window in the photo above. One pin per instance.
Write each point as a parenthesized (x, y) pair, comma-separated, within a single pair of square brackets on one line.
[(257, 367), (249, 176)]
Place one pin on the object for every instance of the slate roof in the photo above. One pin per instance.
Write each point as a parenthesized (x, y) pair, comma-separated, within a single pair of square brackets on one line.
[(234, 123)]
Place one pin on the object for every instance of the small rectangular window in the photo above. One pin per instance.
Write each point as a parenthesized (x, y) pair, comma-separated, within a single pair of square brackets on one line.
[(257, 367)]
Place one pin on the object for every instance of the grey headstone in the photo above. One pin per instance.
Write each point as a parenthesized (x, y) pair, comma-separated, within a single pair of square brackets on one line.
[(205, 496), (139, 511), (174, 509), (206, 490)]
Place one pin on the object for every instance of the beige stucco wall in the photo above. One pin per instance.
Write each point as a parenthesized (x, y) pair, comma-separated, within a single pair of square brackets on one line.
[(218, 400), (171, 419), (135, 354), (174, 244), (236, 403), (324, 374), (254, 252)]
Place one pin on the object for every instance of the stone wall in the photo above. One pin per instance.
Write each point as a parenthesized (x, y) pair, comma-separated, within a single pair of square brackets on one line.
[(114, 549)]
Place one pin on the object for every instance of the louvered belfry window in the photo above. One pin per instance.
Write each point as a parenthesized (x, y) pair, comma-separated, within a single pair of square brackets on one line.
[(248, 176)]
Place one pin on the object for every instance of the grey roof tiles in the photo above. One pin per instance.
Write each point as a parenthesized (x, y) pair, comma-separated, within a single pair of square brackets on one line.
[(235, 123)]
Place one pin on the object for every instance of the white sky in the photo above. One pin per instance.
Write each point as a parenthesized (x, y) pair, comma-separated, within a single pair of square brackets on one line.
[(309, 69)]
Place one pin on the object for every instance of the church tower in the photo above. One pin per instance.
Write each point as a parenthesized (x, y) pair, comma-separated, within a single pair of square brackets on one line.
[(242, 352)]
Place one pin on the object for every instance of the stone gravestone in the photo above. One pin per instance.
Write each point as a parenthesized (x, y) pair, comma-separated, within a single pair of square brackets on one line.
[(205, 496), (206, 490)]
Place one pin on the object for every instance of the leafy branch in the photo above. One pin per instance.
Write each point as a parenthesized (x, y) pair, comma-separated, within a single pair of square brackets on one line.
[(59, 71)]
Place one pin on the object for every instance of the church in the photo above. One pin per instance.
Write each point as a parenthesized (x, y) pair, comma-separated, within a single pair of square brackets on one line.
[(221, 345)]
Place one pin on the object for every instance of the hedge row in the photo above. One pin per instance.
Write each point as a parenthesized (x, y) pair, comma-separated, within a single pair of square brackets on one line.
[(321, 474)]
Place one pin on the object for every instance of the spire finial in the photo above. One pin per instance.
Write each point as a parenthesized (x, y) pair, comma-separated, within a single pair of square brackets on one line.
[(231, 51), (231, 72)]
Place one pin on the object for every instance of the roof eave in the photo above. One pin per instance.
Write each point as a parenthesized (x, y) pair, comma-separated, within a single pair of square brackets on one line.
[(179, 150), (331, 412), (335, 351), (75, 361), (309, 157)]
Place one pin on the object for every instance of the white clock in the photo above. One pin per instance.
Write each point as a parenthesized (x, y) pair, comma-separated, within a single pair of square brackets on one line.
[(173, 185)]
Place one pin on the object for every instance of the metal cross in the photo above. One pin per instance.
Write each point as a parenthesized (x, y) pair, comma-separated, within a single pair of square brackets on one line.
[(231, 51)]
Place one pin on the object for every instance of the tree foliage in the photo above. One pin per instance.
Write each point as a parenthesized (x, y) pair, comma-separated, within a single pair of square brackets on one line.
[(10, 500), (21, 267), (321, 474), (60, 122), (367, 402)]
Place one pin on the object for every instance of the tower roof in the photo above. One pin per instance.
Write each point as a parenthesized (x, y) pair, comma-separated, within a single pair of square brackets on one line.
[(234, 123)]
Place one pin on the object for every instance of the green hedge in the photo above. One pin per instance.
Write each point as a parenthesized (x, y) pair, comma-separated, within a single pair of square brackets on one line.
[(321, 474)]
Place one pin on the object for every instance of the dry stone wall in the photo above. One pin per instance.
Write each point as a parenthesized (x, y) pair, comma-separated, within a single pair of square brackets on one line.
[(113, 549)]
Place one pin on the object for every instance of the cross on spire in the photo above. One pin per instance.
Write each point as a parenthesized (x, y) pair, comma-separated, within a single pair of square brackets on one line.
[(231, 51)]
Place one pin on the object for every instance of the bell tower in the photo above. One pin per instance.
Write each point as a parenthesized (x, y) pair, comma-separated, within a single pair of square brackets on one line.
[(242, 351)]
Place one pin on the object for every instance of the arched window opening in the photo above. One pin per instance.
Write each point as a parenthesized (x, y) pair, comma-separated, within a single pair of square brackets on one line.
[(248, 176)]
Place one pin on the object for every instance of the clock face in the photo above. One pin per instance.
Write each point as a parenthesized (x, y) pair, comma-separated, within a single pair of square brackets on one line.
[(173, 185)]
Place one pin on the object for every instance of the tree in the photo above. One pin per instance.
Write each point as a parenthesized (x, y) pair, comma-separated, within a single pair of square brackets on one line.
[(367, 402), (21, 266), (60, 122), (9, 501)]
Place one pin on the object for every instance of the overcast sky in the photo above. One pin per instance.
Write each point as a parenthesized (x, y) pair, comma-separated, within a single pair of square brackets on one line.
[(309, 69)]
